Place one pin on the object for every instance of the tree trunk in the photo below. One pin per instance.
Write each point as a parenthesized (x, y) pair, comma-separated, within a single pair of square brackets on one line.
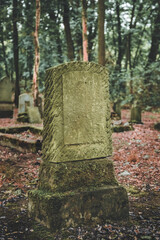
[(37, 54), (28, 29), (101, 37), (70, 47), (84, 30), (155, 38), (4, 51), (119, 60), (56, 32), (129, 39), (92, 29), (16, 50)]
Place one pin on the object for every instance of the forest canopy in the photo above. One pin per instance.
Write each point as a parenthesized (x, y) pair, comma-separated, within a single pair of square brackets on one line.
[(131, 35)]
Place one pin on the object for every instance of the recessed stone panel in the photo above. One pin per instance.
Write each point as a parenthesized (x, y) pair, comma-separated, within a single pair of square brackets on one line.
[(83, 108)]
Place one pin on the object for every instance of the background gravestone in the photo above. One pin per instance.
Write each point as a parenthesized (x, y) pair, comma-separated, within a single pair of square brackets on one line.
[(26, 111), (76, 182), (34, 115), (136, 113), (6, 104), (25, 100)]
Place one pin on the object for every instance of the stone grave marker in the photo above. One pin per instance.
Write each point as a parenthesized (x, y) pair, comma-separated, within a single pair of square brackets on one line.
[(34, 115), (77, 184), (136, 113), (25, 100), (6, 103)]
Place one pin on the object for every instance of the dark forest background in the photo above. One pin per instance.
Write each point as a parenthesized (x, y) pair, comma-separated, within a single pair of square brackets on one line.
[(132, 37)]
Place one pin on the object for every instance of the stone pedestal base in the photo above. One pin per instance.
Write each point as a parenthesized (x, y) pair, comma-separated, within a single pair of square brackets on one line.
[(91, 206), (6, 110)]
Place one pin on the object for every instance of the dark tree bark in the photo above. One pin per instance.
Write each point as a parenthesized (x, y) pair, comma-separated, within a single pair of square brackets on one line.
[(128, 45), (54, 17), (119, 60), (16, 50), (155, 37), (84, 30), (70, 47), (92, 30), (101, 37), (29, 28)]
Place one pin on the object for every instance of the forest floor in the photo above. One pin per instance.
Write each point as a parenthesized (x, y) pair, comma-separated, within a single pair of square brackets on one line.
[(136, 156)]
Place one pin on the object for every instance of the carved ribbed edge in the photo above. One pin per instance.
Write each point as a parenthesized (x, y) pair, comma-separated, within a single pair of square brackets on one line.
[(53, 91), (57, 71)]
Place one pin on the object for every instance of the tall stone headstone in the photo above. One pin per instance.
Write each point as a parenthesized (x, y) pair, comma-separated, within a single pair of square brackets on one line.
[(76, 181), (6, 103)]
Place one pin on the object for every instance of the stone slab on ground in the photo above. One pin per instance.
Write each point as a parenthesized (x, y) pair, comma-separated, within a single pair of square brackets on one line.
[(122, 128), (19, 129), (12, 141)]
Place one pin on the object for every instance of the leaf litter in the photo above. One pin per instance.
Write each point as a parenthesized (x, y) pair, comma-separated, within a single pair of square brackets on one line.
[(136, 156)]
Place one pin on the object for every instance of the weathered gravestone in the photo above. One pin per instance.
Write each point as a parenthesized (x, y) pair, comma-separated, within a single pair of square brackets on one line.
[(76, 182), (136, 113), (27, 111), (25, 100), (6, 103), (117, 109), (34, 115)]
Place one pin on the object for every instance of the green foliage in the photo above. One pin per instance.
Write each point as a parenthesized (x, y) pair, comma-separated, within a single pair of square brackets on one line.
[(132, 76)]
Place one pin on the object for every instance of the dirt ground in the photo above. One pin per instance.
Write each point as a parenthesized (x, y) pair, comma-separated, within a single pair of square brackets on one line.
[(136, 156)]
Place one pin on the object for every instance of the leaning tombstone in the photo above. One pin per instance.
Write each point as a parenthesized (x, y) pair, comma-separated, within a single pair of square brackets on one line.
[(136, 114), (77, 184), (6, 103)]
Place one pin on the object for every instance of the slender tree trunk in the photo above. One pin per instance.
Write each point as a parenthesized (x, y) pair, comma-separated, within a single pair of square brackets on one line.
[(128, 50), (155, 38), (37, 54), (56, 32), (4, 51), (119, 60), (70, 47), (16, 50), (92, 29), (129, 39), (101, 37), (28, 27), (84, 30)]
